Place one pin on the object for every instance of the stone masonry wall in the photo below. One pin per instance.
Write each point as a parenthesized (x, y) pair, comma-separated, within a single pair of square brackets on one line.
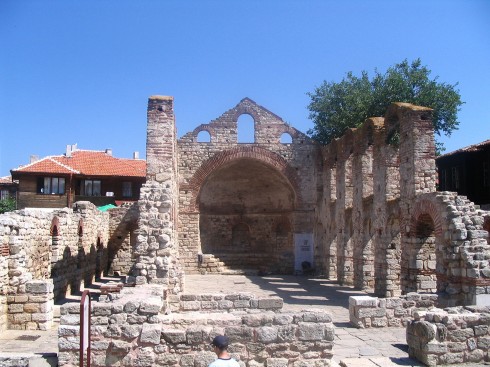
[(134, 332), (32, 310), (122, 237), (293, 164), (55, 247), (451, 336), (366, 312), (156, 251), (383, 227)]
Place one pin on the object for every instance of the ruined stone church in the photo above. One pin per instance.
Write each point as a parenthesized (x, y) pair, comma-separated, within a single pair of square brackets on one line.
[(363, 210)]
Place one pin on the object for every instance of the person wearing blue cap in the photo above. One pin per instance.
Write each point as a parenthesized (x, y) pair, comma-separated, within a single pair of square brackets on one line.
[(220, 346)]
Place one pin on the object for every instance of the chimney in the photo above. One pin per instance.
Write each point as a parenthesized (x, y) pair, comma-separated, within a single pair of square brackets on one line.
[(108, 151), (136, 155), (70, 149), (33, 158)]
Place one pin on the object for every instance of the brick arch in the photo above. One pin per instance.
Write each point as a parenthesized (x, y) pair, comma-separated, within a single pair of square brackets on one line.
[(55, 227), (426, 207), (253, 152), (245, 110)]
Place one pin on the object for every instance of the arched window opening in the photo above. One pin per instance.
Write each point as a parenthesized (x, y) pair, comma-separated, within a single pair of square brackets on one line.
[(422, 263), (246, 129), (240, 237), (204, 137), (286, 138)]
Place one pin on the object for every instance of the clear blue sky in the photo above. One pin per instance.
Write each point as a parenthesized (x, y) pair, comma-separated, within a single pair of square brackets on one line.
[(82, 71)]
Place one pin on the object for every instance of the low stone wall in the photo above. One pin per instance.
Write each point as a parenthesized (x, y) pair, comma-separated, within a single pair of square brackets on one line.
[(365, 311), (228, 302), (132, 331), (450, 336), (32, 310)]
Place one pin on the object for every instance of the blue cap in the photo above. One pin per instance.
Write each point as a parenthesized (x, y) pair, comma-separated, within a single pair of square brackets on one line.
[(220, 341)]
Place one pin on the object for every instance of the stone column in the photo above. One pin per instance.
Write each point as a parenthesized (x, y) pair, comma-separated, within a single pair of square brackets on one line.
[(362, 173), (385, 191), (156, 245), (417, 169)]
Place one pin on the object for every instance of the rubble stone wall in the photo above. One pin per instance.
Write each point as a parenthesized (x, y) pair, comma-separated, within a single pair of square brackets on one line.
[(122, 237), (451, 336), (366, 312), (59, 247), (135, 333), (156, 251)]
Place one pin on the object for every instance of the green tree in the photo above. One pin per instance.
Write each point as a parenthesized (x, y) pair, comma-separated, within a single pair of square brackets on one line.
[(335, 107), (7, 205)]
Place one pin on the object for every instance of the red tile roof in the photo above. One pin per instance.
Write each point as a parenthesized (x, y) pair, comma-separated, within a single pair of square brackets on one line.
[(86, 163), (7, 180)]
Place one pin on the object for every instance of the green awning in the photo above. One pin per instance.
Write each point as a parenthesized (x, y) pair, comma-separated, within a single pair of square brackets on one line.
[(104, 208)]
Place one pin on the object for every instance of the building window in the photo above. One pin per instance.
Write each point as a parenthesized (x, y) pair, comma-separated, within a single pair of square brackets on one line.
[(51, 185), (127, 190), (486, 174), (91, 188), (4, 194), (455, 177)]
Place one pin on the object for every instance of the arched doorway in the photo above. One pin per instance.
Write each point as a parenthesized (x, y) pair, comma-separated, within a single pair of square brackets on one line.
[(421, 275), (246, 210)]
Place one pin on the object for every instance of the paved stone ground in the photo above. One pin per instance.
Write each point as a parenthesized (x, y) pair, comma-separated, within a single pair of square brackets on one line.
[(384, 347)]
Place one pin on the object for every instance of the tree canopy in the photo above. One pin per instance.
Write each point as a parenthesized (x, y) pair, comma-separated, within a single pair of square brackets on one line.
[(335, 107)]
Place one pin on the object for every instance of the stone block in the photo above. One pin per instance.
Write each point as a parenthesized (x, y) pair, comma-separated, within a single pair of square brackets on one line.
[(371, 312), (190, 305), (270, 303), (174, 336), (363, 301), (39, 286), (150, 333), (276, 362), (131, 331), (308, 331), (266, 334), (151, 305)]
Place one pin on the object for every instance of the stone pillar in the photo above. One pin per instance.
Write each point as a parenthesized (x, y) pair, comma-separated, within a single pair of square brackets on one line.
[(345, 267), (385, 190), (362, 173), (32, 310), (417, 168), (157, 255), (327, 215)]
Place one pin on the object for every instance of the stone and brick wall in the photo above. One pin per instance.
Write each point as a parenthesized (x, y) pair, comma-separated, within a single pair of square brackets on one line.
[(156, 252), (366, 312), (133, 332), (451, 336), (221, 207), (123, 224), (384, 228), (58, 248)]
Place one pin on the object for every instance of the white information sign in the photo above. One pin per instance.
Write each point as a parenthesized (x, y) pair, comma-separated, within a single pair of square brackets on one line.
[(303, 249)]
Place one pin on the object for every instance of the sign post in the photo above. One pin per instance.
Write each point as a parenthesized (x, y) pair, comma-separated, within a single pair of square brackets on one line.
[(85, 307)]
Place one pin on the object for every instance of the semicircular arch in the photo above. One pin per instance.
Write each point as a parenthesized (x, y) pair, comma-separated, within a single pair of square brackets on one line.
[(219, 160)]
